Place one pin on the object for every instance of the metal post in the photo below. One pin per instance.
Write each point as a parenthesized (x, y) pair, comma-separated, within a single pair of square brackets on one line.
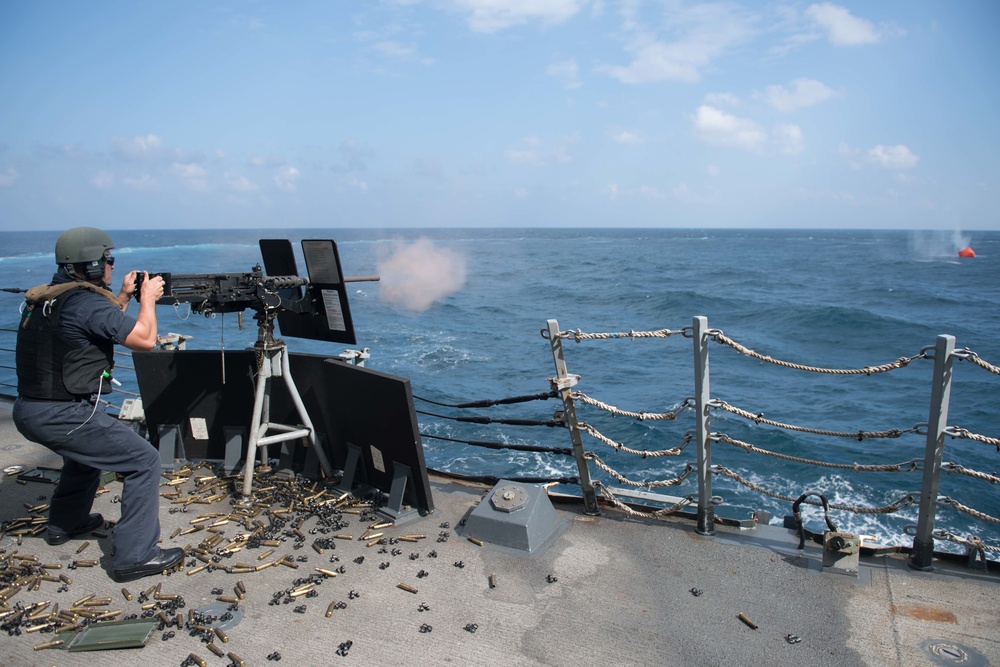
[(937, 421), (563, 381), (702, 396)]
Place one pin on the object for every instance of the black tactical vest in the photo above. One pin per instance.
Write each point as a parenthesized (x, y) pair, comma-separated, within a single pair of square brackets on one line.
[(50, 367)]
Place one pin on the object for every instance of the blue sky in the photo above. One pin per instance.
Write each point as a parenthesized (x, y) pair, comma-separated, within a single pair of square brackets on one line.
[(485, 113)]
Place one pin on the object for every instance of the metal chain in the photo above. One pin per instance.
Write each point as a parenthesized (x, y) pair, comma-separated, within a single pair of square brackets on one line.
[(590, 456), (720, 337), (579, 335), (906, 466), (584, 426), (905, 501), (606, 492), (955, 505), (860, 435), (641, 416)]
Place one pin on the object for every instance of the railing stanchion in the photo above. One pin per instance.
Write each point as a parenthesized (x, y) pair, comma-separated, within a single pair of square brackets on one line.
[(706, 510), (563, 382), (923, 540)]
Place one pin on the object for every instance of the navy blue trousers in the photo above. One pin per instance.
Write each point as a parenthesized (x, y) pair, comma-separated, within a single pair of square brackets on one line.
[(101, 443)]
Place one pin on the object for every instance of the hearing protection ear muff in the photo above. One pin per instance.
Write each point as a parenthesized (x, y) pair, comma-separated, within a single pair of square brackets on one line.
[(91, 270), (94, 270)]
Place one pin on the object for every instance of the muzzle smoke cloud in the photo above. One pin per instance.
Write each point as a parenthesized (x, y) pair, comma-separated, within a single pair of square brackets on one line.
[(415, 275)]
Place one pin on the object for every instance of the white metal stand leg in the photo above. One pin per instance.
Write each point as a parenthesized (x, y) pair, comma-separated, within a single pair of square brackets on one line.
[(275, 364)]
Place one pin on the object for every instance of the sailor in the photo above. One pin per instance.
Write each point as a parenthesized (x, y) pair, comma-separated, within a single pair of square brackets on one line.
[(65, 357)]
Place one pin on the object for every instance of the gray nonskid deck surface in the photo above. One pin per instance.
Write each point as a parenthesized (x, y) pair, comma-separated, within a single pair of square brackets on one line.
[(621, 595)]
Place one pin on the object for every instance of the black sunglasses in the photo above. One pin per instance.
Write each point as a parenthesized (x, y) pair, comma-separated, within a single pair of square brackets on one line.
[(109, 259)]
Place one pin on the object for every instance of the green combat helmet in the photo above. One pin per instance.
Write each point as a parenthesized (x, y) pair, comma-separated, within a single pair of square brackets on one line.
[(82, 244)]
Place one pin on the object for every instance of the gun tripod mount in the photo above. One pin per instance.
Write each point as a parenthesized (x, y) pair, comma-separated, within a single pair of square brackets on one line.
[(272, 363)]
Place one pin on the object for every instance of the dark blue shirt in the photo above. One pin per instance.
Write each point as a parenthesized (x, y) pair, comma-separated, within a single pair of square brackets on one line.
[(87, 318)]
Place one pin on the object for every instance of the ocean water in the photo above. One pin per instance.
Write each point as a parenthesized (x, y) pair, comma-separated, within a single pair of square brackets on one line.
[(459, 312)]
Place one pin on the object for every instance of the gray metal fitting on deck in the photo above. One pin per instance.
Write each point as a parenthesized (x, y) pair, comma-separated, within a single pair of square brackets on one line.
[(841, 551)]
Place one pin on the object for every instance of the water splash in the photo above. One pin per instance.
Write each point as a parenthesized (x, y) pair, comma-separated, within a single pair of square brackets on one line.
[(938, 244)]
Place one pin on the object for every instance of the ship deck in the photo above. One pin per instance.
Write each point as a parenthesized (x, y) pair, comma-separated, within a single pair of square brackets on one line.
[(610, 589)]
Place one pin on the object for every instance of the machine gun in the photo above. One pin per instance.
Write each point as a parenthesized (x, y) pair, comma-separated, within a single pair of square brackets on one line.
[(210, 293), (318, 312)]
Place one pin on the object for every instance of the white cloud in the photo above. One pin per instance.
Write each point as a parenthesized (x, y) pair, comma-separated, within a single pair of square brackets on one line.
[(400, 51), (889, 157), (843, 28), (611, 190), (713, 170), (706, 31), (395, 49), (285, 179), (660, 62), (8, 177), (566, 72), (724, 129), (192, 175), (137, 148), (626, 137), (239, 182), (144, 182), (536, 154), (521, 193), (269, 162), (802, 93), (522, 156), (649, 192), (493, 15), (356, 155), (788, 139), (190, 170), (892, 157), (103, 180), (723, 100)]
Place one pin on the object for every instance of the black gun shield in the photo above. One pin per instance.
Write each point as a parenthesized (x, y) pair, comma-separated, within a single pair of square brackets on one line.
[(326, 314)]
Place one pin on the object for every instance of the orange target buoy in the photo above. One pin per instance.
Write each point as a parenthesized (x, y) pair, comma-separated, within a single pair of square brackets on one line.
[(967, 252)]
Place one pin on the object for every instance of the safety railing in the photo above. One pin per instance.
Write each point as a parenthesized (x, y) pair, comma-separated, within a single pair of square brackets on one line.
[(564, 386), (932, 465)]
